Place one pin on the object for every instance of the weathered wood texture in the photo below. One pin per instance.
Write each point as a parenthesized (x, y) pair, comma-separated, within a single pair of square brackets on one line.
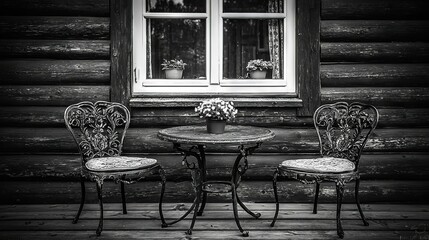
[(142, 140), (375, 75), (380, 97), (296, 221), (381, 9), (44, 27), (57, 167), (58, 72), (55, 8), (308, 54), (120, 36), (374, 52), (37, 192), (374, 30), (54, 53), (52, 116), (51, 95), (55, 49)]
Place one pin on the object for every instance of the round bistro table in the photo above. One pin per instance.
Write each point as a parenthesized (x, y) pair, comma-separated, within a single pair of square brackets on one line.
[(196, 138)]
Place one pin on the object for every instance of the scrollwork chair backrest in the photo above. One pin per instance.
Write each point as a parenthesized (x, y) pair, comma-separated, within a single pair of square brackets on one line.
[(97, 128), (343, 129)]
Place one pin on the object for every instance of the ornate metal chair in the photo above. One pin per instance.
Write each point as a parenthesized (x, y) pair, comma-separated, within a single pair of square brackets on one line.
[(99, 130), (343, 131)]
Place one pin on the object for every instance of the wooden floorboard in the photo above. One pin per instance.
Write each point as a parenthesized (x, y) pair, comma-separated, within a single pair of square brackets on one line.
[(296, 221)]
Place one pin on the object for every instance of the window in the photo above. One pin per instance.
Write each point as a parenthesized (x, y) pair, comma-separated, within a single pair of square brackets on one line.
[(216, 39)]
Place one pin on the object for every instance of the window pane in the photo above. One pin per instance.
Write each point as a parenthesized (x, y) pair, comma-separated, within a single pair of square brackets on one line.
[(264, 6), (176, 6), (249, 39), (183, 39)]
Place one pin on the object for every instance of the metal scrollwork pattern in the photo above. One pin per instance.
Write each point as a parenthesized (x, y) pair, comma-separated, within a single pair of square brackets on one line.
[(238, 169), (343, 129), (98, 128)]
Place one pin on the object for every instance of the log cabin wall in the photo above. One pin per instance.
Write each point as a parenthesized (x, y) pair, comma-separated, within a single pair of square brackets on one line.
[(55, 53)]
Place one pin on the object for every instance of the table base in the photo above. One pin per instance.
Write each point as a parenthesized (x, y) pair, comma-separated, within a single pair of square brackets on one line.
[(202, 186)]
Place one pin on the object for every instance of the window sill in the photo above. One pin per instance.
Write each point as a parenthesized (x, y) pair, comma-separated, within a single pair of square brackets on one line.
[(194, 101)]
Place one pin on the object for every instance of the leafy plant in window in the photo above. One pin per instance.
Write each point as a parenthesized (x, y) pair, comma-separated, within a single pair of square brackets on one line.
[(258, 68), (173, 68), (216, 111)]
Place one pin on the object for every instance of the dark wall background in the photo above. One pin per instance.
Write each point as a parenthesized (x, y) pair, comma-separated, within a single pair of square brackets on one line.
[(55, 53)]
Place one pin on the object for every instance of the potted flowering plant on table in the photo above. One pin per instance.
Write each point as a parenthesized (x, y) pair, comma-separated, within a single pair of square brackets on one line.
[(258, 68), (173, 68), (216, 112)]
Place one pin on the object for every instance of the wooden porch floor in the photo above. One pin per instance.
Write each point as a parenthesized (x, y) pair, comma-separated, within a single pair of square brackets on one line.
[(295, 221)]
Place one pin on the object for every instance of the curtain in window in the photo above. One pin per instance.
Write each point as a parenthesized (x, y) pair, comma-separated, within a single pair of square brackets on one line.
[(275, 37), (149, 49)]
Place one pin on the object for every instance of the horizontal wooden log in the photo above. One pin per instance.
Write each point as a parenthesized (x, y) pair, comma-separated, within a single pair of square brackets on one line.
[(47, 116), (379, 97), (192, 101), (25, 192), (374, 75), (64, 72), (98, 8), (380, 9), (373, 31), (56, 49), (375, 52), (398, 166), (144, 140), (51, 95), (43, 27), (266, 116)]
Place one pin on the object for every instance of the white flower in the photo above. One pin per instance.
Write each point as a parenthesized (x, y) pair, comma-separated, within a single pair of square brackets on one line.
[(216, 108)]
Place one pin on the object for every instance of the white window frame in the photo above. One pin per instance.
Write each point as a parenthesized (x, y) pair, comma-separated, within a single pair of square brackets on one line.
[(213, 84)]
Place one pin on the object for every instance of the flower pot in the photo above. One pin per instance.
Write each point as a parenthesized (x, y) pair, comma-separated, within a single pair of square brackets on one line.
[(215, 126), (173, 73), (258, 74)]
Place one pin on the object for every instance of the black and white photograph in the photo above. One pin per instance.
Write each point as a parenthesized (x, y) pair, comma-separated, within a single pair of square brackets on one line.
[(214, 119)]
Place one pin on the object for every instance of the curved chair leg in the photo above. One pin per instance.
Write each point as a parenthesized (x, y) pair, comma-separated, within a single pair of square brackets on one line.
[(365, 223), (82, 200), (203, 204), (100, 200), (316, 197), (234, 207), (124, 203), (163, 181), (276, 196), (340, 192)]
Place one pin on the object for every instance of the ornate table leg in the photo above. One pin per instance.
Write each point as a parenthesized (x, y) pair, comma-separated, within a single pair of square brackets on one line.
[(238, 170), (203, 168), (196, 179)]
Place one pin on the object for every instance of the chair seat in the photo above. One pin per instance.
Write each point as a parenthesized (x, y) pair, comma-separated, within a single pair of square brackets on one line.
[(320, 165), (118, 163)]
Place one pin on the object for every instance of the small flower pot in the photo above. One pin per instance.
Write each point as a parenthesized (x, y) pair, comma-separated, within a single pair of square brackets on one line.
[(173, 73), (215, 126), (258, 74)]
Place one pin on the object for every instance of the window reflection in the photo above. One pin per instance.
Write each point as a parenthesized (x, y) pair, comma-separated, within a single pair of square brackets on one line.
[(248, 39), (183, 39), (259, 6), (176, 5)]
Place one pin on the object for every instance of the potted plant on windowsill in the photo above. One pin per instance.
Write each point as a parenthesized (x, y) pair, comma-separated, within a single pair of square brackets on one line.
[(173, 68), (216, 112), (257, 68)]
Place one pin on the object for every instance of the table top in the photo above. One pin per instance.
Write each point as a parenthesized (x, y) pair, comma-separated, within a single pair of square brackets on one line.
[(234, 134)]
